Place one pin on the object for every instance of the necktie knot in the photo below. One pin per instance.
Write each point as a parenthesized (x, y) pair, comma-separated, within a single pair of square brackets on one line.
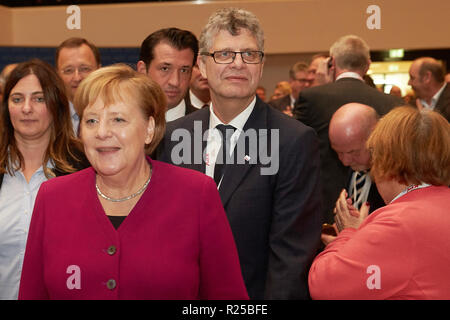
[(226, 130)]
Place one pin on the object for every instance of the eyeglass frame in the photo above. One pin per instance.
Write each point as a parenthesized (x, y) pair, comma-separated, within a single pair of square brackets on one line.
[(209, 54)]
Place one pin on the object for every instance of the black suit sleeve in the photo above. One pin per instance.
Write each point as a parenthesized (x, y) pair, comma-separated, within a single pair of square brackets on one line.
[(296, 226), (302, 109)]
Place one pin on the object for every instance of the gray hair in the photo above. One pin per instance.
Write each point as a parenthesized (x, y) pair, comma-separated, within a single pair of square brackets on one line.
[(351, 52), (231, 20)]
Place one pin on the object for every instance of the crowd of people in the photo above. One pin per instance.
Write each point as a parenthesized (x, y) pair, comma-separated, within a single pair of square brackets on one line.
[(178, 181)]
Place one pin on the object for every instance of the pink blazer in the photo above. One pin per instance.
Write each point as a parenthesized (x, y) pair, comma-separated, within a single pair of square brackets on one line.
[(401, 251), (176, 243)]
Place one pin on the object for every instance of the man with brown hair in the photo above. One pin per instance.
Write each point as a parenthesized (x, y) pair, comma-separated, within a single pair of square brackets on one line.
[(298, 81), (75, 59), (168, 56), (427, 79)]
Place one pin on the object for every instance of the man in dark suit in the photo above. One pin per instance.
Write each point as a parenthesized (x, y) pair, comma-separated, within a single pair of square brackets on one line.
[(198, 94), (298, 80), (269, 183), (350, 127), (427, 79), (350, 60), (167, 56)]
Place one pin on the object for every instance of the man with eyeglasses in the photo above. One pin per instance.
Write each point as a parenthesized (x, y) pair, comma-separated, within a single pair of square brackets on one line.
[(75, 59), (274, 215), (298, 80)]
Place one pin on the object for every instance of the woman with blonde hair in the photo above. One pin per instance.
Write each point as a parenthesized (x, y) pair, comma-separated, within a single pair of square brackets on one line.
[(400, 251), (140, 229)]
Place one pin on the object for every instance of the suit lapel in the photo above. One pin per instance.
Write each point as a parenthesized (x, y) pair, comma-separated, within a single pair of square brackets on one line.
[(198, 145), (443, 100), (235, 173)]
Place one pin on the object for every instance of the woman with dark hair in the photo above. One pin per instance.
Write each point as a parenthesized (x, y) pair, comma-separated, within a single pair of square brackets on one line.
[(36, 144), (400, 251)]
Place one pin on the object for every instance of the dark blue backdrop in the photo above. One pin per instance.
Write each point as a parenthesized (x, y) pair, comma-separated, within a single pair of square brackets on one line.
[(109, 56)]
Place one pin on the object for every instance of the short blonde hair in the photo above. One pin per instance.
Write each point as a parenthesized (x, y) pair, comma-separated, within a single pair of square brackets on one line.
[(120, 82), (411, 147)]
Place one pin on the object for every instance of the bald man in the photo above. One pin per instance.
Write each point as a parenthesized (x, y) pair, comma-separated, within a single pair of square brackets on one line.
[(349, 129), (396, 91), (427, 79)]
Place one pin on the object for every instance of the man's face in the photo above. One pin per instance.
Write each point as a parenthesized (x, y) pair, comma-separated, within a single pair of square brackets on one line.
[(299, 83), (352, 153), (198, 83), (415, 81), (237, 80), (171, 69), (313, 69), (75, 64)]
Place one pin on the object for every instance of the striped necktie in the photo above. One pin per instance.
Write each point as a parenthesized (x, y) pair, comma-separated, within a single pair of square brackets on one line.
[(360, 181)]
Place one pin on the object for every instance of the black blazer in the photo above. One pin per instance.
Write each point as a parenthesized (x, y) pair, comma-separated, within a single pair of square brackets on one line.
[(189, 107), (281, 103), (275, 219), (443, 104), (315, 107)]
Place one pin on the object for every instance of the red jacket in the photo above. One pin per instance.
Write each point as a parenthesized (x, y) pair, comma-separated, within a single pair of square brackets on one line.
[(176, 243), (401, 251)]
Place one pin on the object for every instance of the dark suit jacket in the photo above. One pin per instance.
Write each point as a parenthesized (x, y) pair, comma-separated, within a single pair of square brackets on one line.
[(443, 104), (275, 219), (374, 198), (281, 103), (315, 107), (189, 107)]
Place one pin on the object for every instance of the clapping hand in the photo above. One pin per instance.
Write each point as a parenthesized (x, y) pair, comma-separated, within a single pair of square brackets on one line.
[(347, 216)]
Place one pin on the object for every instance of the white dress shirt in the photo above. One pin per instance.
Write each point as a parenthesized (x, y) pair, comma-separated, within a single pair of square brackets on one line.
[(75, 118), (349, 74), (17, 198), (176, 112), (196, 102), (214, 141)]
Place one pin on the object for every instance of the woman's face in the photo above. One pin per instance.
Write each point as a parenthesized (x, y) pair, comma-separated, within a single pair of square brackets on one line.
[(28, 110), (114, 137)]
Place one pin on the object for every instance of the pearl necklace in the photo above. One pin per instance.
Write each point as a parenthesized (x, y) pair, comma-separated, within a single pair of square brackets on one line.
[(126, 198)]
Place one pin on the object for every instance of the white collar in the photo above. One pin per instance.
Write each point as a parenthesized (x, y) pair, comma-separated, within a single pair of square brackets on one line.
[(435, 98), (349, 74), (176, 112), (292, 100), (238, 122), (195, 101), (73, 113)]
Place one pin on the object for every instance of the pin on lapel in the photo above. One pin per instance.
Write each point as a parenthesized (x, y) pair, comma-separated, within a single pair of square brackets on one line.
[(247, 158)]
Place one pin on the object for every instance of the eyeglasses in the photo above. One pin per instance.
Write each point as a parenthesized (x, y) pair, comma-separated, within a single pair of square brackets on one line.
[(227, 57), (81, 70), (303, 80)]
